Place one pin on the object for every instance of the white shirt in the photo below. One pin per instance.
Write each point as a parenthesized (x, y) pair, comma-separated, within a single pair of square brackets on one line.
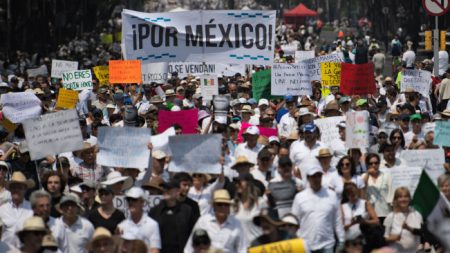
[(204, 196), (349, 211), (300, 152), (78, 235), (245, 217), (287, 125), (410, 135), (409, 57), (379, 193), (394, 226), (227, 236), (146, 230), (251, 153), (320, 218), (59, 234), (13, 218), (443, 61), (338, 150), (333, 181)]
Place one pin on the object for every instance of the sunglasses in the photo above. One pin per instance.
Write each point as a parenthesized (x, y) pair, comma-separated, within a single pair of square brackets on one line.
[(394, 119), (346, 164), (396, 137), (222, 204), (374, 163)]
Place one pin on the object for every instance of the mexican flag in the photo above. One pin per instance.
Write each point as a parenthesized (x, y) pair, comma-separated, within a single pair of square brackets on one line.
[(208, 82)]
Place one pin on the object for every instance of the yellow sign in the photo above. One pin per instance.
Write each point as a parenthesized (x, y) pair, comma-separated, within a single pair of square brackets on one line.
[(67, 99), (288, 246), (428, 41), (118, 36), (8, 125), (331, 73), (107, 38), (102, 73), (442, 41)]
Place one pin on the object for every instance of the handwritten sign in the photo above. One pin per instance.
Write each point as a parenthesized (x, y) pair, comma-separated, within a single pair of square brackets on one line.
[(331, 73), (125, 71), (184, 69), (406, 176), (157, 72), (123, 147), (77, 79), (314, 64), (286, 246), (441, 133), (209, 86), (290, 79), (430, 159), (357, 130), (60, 66), (303, 55), (187, 119), (151, 201), (67, 99), (42, 70), (19, 106), (53, 133), (196, 153), (419, 80), (328, 130), (102, 74), (357, 79), (264, 131)]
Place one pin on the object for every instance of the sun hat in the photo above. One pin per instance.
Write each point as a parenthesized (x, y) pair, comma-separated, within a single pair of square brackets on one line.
[(252, 130), (240, 161), (332, 105), (222, 196), (154, 183), (341, 124), (69, 198), (159, 154), (247, 109), (99, 234), (88, 184), (115, 177), (33, 224), (19, 178), (290, 219), (324, 153), (135, 193), (49, 242), (170, 92), (305, 111), (156, 99)]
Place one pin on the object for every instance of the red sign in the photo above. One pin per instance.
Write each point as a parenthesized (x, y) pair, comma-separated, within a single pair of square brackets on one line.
[(357, 79), (264, 131), (187, 119)]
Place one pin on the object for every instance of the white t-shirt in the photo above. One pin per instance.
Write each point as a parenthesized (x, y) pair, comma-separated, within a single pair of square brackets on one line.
[(394, 226), (146, 230)]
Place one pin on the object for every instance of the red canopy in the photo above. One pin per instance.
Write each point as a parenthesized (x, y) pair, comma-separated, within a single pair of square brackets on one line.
[(300, 11)]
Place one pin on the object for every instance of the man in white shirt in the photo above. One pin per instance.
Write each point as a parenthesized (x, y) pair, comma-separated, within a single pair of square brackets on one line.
[(251, 147), (15, 212), (415, 135), (409, 57), (443, 62), (138, 223), (338, 145), (263, 172), (317, 209), (224, 229), (288, 123)]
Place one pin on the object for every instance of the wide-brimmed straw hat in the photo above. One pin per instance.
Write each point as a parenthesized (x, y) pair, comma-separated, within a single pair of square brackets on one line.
[(19, 178), (242, 160)]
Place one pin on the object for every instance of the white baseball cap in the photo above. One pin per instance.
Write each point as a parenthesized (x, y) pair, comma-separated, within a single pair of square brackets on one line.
[(253, 130), (263, 101), (135, 193), (274, 138)]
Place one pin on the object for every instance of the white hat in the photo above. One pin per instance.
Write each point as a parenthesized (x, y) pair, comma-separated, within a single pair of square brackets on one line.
[(341, 124), (158, 154), (274, 138), (290, 219), (313, 170), (305, 111), (253, 130), (312, 166), (221, 119), (175, 108), (242, 101), (115, 177), (135, 193), (263, 101), (3, 84)]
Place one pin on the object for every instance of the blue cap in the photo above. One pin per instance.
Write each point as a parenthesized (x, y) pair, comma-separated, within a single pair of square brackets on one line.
[(251, 101), (310, 127), (289, 98)]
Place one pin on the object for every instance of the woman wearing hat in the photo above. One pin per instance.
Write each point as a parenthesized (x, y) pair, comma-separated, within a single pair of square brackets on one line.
[(202, 190), (32, 234)]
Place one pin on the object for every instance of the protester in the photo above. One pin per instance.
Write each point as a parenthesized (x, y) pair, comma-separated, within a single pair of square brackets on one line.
[(106, 215), (32, 234), (270, 227), (102, 242)]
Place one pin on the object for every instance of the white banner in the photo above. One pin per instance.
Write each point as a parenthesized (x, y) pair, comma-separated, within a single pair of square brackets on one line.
[(198, 68), (161, 141), (124, 147), (288, 50), (419, 80), (77, 79), (151, 201), (19, 106), (60, 66), (53, 133), (209, 86), (430, 159), (290, 79), (304, 55), (405, 176), (314, 64), (328, 130), (42, 70), (227, 36), (357, 130), (157, 72), (196, 153)]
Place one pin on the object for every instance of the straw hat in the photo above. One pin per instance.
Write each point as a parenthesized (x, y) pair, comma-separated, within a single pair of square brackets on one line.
[(49, 242), (156, 100), (241, 160), (222, 196), (154, 183), (247, 109), (69, 198), (446, 113), (332, 105), (99, 233), (115, 177), (19, 178), (269, 216), (324, 153), (34, 223)]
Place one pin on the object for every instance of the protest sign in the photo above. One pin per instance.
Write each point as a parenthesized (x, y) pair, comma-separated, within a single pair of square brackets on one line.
[(19, 106), (290, 79), (53, 133), (441, 133), (196, 153), (357, 130), (42, 70), (60, 66), (161, 141), (328, 130), (157, 72), (314, 64), (106, 38), (124, 147), (357, 79), (419, 80), (119, 202), (7, 124), (261, 84), (187, 119), (286, 246), (406, 176), (264, 131), (102, 74), (77, 79), (125, 71), (67, 99), (227, 36), (304, 55), (209, 86), (289, 50), (184, 69), (432, 160), (330, 73)]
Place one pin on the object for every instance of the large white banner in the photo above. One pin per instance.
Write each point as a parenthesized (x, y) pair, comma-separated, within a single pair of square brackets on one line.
[(19, 106), (431, 159), (227, 36), (314, 64), (406, 176), (198, 68), (157, 72), (304, 55), (60, 66), (290, 79), (357, 130), (419, 80), (328, 130), (124, 147), (53, 133)]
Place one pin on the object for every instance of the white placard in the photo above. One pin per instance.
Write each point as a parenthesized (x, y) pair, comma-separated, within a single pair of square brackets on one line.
[(209, 86), (151, 201), (53, 133), (209, 68), (419, 80), (42, 70), (157, 72), (77, 79), (314, 64), (124, 147), (357, 130), (328, 130), (60, 66), (405, 176), (196, 153), (304, 55), (161, 141), (19, 106), (288, 50), (290, 79), (431, 159)]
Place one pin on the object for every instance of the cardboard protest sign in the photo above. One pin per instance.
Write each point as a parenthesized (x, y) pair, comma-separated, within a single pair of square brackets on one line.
[(42, 70), (432, 160), (304, 55), (314, 70), (161, 141), (187, 119), (53, 133), (328, 130), (67, 99), (293, 245), (290, 79), (119, 202), (125, 71), (77, 79), (441, 133), (184, 69), (196, 153), (227, 36), (357, 130), (261, 84), (406, 176), (60, 66), (157, 72), (19, 106), (123, 147), (264, 131), (102, 74), (419, 80), (209, 86), (330, 73), (7, 124), (357, 79)]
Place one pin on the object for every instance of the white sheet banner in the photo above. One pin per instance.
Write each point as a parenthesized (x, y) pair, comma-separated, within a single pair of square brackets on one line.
[(314, 64), (288, 50), (42, 70), (53, 133), (60, 66), (19, 106), (124, 147), (405, 176), (290, 79), (198, 68), (357, 130), (328, 130), (419, 80), (304, 55), (430, 159), (161, 141), (157, 72), (227, 36)]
